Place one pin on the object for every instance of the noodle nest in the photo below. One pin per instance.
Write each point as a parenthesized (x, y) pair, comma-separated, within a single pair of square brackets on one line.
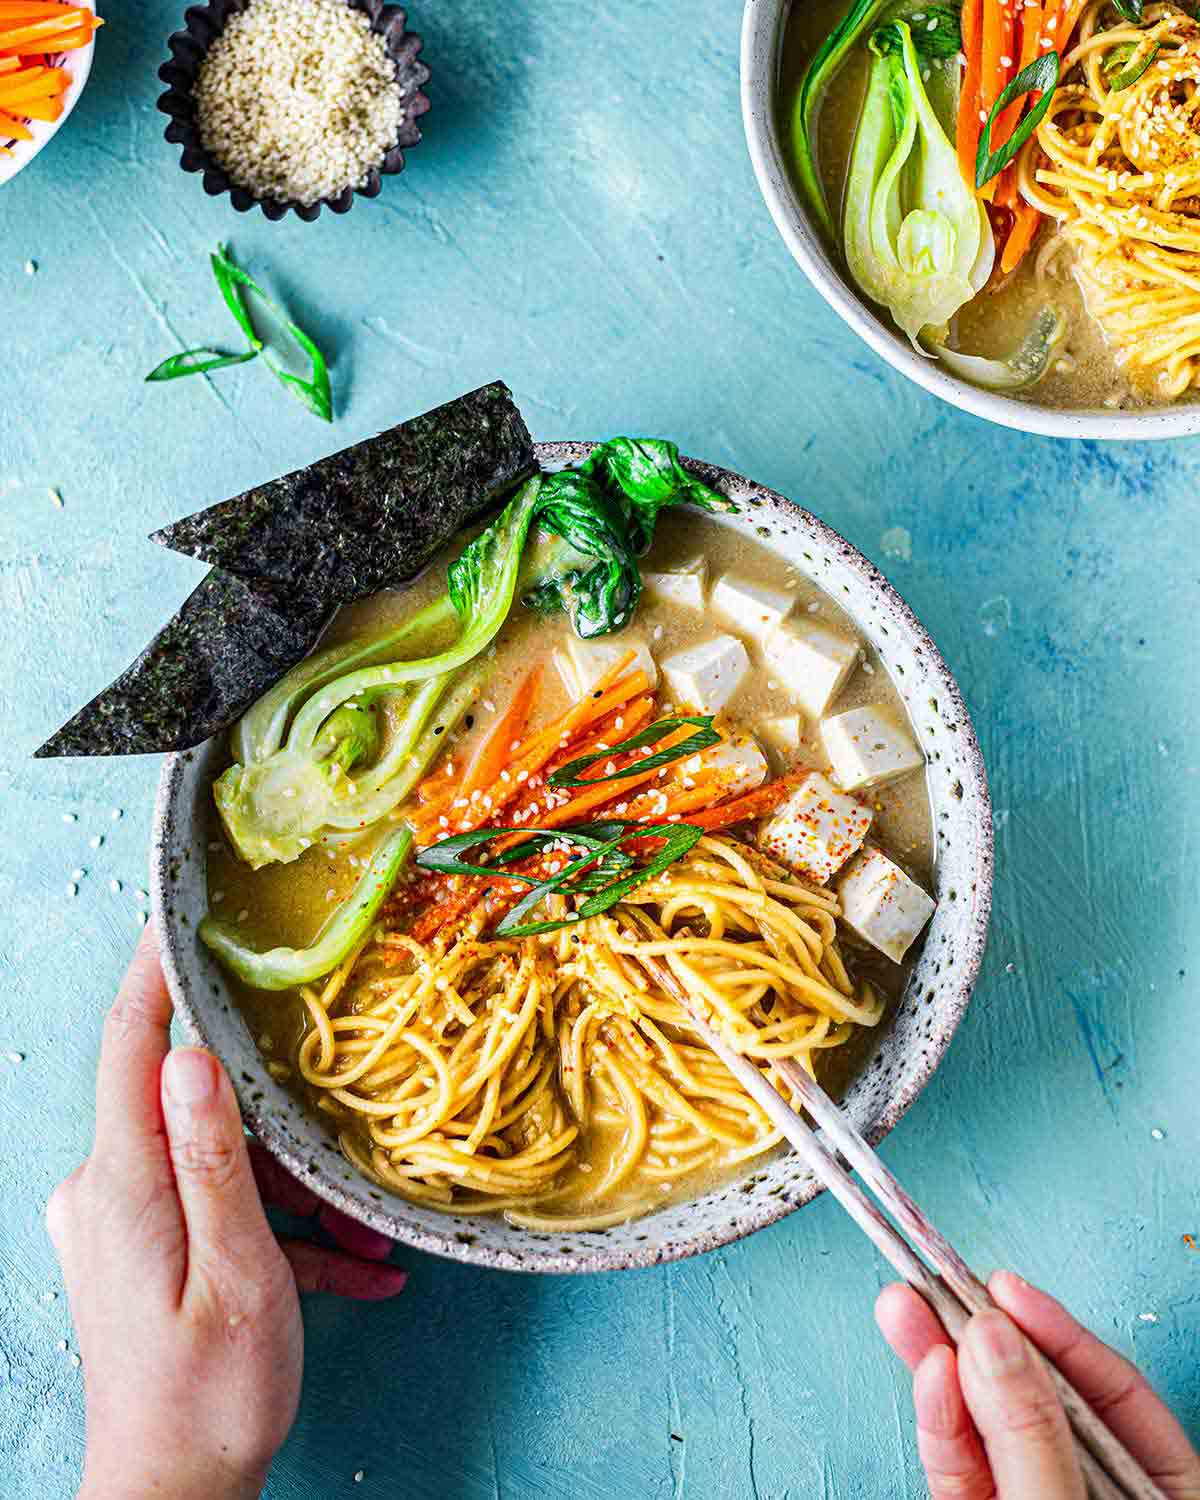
[(547, 1077), (1120, 170)]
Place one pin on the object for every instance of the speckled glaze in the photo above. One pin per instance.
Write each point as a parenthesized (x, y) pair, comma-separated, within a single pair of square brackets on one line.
[(763, 26), (908, 1052)]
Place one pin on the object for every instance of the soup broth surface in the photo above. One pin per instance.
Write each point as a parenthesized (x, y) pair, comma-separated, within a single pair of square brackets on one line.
[(288, 904), (1083, 372)]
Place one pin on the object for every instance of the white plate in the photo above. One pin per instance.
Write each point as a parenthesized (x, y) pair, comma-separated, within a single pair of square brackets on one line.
[(78, 64)]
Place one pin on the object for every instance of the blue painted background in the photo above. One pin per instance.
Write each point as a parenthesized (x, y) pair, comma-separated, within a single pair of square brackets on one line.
[(582, 221)]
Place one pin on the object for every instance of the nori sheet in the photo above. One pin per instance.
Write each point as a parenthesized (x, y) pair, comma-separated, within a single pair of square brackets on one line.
[(370, 516), (286, 554), (222, 650)]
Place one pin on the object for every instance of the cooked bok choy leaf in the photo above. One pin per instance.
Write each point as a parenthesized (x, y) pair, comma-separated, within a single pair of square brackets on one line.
[(313, 763), (914, 233), (282, 968), (1024, 367)]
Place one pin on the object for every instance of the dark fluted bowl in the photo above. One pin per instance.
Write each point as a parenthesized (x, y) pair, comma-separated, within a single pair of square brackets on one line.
[(203, 24)]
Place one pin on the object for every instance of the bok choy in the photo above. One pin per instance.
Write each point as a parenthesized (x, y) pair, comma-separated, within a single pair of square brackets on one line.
[(340, 741), (916, 238)]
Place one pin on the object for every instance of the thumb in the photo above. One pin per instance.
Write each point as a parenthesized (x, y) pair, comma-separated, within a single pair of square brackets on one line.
[(1014, 1406), (223, 1212)]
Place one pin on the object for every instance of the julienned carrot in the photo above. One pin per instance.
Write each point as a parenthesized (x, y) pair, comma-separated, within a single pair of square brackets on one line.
[(8, 64), (41, 109), (13, 128), (1067, 21), (38, 31), (61, 41), (505, 736), (1025, 226), (967, 132), (48, 85), (752, 805), (995, 69), (20, 10)]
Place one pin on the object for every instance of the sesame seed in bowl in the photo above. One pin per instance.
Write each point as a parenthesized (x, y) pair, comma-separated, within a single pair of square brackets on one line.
[(292, 104)]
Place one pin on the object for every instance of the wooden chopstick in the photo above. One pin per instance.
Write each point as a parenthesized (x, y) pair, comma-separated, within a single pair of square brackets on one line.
[(1110, 1470)]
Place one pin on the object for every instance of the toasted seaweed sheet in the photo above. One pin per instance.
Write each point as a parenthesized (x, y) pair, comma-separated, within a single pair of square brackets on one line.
[(286, 554), (221, 651), (372, 515)]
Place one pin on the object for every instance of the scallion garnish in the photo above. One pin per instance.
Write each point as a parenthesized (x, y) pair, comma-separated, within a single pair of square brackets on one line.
[(604, 869), (197, 362), (1131, 74), (315, 392), (704, 737), (1039, 76)]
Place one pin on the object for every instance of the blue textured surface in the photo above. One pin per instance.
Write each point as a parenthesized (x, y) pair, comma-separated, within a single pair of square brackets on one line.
[(582, 220)]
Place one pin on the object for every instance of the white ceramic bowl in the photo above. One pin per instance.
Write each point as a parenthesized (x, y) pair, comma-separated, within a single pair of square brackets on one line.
[(908, 1049), (763, 26), (78, 64)]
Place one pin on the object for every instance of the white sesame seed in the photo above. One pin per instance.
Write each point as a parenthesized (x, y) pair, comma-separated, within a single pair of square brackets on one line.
[(95, 841), (70, 817), (115, 887)]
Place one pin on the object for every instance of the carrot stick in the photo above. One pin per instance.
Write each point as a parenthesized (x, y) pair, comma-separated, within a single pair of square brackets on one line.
[(20, 10), (13, 128), (68, 41), (1025, 226), (995, 70), (503, 742), (8, 64), (49, 85), (753, 805), (40, 109), (38, 31), (967, 133)]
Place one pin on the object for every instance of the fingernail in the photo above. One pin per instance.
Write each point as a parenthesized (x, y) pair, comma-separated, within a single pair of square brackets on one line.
[(189, 1077), (998, 1347)]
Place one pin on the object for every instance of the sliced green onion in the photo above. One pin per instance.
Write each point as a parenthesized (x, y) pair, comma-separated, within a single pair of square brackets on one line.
[(1132, 74), (443, 857), (315, 392), (705, 736), (680, 837), (1040, 76), (197, 362), (1129, 10)]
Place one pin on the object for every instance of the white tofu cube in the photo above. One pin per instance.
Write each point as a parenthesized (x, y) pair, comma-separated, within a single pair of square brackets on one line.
[(751, 606), (812, 662), (870, 745), (591, 659), (683, 588), (738, 762), (882, 905), (705, 677), (782, 734), (816, 830)]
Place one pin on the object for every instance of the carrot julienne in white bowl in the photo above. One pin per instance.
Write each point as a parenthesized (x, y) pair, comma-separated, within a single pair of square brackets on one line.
[(46, 49)]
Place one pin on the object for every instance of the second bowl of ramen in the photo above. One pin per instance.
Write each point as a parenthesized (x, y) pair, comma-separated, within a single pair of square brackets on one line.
[(997, 199), (773, 783)]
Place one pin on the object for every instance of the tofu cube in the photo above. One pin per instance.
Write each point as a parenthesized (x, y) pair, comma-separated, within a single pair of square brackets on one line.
[(584, 661), (812, 661), (782, 734), (705, 677), (684, 587), (751, 606), (870, 745), (882, 905), (738, 762), (816, 830)]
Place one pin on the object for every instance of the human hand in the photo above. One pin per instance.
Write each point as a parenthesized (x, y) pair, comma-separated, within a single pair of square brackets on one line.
[(185, 1304), (989, 1424)]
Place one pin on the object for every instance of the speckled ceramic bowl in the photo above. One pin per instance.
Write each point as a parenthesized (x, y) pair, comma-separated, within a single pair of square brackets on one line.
[(763, 26), (908, 1051)]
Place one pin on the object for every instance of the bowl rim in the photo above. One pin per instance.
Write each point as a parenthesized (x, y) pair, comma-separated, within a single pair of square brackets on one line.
[(174, 785), (763, 25), (79, 63)]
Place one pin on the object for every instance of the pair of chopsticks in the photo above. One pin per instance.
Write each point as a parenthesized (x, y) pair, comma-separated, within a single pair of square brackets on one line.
[(955, 1292)]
